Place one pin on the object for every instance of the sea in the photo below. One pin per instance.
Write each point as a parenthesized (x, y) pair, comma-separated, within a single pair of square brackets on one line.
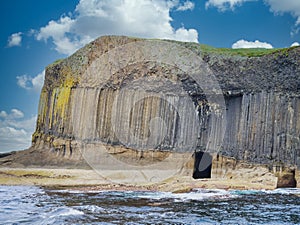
[(38, 205)]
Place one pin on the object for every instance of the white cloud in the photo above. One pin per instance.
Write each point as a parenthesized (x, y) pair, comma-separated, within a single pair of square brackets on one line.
[(15, 40), (58, 31), (295, 44), (223, 5), (276, 6), (251, 44), (94, 18), (286, 6), (188, 5), (15, 130), (15, 114), (183, 34), (3, 114), (31, 83)]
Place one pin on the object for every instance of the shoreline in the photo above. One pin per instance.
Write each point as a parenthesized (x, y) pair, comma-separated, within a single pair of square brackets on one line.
[(89, 180)]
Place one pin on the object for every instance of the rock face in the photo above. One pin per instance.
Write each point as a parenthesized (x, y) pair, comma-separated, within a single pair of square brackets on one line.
[(155, 95)]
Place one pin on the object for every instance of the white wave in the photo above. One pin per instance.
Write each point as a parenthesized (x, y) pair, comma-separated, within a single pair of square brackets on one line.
[(197, 194), (202, 194), (247, 192), (75, 191), (64, 211), (92, 208), (283, 191), (71, 212)]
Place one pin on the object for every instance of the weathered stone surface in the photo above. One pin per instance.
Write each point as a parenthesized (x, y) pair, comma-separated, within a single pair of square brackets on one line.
[(132, 93), (287, 180), (263, 128)]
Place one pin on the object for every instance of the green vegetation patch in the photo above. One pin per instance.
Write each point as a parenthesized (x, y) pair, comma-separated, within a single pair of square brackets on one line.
[(56, 62), (246, 52)]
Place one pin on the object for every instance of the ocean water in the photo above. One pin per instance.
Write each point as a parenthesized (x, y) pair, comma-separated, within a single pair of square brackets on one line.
[(35, 205)]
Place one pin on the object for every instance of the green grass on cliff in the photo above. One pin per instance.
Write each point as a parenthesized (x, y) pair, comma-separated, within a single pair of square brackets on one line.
[(247, 52), (56, 62), (244, 52)]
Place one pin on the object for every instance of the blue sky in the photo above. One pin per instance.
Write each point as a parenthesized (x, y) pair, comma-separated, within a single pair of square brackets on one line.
[(35, 33)]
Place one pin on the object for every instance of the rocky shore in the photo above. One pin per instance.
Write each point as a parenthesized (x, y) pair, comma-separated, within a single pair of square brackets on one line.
[(89, 180)]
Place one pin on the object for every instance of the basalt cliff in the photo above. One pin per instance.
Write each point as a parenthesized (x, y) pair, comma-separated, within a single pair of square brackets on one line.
[(141, 100)]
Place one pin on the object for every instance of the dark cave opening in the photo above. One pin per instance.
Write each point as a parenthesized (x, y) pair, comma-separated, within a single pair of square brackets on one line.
[(202, 165)]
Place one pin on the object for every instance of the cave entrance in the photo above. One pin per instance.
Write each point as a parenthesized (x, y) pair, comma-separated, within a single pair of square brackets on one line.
[(202, 165)]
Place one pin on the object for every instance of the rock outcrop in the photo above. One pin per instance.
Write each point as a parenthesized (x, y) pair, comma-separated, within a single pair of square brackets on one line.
[(160, 96)]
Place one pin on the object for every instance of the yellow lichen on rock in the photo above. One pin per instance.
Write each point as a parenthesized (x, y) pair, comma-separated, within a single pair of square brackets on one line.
[(42, 107), (69, 77), (62, 100), (63, 93)]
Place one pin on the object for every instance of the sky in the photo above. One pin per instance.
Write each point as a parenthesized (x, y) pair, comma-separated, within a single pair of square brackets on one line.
[(35, 33)]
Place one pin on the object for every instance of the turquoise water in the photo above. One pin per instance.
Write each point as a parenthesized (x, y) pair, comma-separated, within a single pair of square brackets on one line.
[(35, 205)]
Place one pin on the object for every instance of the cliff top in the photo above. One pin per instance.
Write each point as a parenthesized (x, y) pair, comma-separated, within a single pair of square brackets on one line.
[(237, 70)]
